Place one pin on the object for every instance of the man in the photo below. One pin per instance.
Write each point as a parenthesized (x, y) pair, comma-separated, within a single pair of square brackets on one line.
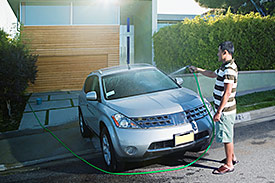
[(224, 101)]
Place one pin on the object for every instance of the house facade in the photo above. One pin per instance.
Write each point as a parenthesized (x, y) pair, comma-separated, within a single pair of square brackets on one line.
[(76, 37), (171, 19)]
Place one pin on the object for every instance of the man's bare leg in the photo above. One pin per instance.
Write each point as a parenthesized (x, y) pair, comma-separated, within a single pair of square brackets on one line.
[(229, 152)]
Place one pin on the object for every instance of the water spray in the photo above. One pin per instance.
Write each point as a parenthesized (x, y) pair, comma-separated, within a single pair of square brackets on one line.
[(182, 69), (179, 70)]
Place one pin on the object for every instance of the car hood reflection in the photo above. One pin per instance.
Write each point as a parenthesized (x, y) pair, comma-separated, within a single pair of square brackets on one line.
[(154, 104)]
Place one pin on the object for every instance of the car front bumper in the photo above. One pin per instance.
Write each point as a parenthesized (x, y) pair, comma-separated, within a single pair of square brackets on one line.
[(155, 142)]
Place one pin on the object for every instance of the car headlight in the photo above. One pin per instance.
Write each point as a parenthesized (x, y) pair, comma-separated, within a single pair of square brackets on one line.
[(122, 121)]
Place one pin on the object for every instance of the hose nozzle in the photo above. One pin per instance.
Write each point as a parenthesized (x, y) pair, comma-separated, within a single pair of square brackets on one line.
[(190, 69)]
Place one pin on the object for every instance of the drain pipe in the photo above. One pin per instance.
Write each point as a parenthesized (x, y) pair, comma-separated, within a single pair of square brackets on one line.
[(128, 43)]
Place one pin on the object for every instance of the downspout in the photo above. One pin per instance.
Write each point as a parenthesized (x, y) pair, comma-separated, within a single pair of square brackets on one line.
[(128, 42), (154, 26)]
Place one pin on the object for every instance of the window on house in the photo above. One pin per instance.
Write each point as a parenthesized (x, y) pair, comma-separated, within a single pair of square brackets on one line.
[(45, 13), (69, 13), (95, 13)]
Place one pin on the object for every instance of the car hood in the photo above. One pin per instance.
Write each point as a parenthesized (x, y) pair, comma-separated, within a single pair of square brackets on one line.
[(154, 104)]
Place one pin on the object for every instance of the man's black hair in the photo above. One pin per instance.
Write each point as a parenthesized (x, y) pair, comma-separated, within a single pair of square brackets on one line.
[(227, 45)]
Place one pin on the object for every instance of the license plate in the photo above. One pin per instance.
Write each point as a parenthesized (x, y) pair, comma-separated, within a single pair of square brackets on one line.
[(183, 138)]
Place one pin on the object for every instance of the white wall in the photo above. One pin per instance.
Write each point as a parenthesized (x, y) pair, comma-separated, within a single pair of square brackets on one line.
[(7, 17), (180, 7)]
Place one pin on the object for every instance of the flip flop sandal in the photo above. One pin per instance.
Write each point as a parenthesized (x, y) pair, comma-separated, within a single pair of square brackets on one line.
[(222, 170), (234, 162)]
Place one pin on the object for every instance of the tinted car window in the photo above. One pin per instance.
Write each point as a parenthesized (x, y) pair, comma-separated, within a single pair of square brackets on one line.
[(137, 82), (92, 84), (95, 86), (88, 84)]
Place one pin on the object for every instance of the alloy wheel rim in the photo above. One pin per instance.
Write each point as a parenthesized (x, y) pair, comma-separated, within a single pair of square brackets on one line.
[(106, 150)]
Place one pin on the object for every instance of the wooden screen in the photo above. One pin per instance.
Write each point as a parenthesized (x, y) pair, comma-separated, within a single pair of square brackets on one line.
[(67, 54)]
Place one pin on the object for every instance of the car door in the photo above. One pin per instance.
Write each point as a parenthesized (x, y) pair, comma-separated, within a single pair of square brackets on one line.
[(92, 110)]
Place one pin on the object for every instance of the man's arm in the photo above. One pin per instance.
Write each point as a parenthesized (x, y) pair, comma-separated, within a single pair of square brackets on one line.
[(225, 97), (204, 72)]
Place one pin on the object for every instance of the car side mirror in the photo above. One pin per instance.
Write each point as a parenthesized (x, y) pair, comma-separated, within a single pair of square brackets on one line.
[(179, 80), (91, 96)]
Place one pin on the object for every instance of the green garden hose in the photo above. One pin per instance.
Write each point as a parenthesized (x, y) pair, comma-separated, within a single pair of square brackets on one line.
[(136, 173)]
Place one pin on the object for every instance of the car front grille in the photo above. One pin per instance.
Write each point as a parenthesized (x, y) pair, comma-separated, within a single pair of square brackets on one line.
[(161, 121), (161, 145), (171, 119), (196, 113), (155, 121)]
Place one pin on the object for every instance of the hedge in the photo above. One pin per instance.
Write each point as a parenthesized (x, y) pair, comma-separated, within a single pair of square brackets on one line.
[(17, 70), (195, 42)]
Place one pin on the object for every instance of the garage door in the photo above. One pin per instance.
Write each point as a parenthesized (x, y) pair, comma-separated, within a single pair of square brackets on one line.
[(65, 72)]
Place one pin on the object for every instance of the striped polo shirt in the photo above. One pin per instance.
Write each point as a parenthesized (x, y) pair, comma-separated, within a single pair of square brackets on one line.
[(227, 73)]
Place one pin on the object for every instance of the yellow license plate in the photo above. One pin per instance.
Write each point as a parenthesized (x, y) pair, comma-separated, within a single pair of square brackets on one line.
[(182, 139)]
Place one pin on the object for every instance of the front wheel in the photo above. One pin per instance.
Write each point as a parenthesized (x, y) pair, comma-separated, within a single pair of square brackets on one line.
[(108, 152)]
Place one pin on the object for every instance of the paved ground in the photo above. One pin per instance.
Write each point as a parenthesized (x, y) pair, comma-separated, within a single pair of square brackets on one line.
[(57, 108), (31, 144), (28, 147), (254, 147)]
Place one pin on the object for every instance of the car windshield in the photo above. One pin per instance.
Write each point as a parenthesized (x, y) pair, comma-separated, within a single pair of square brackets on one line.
[(131, 83)]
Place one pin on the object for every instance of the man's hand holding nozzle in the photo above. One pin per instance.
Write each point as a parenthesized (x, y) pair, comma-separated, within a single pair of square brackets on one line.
[(193, 69)]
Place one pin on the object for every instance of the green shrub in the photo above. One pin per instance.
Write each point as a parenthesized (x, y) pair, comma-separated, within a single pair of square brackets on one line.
[(17, 70), (195, 42)]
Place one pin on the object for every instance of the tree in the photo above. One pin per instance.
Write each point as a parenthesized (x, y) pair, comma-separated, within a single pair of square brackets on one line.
[(241, 6), (17, 70)]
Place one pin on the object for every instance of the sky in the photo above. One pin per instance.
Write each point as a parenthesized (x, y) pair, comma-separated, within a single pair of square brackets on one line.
[(7, 16), (164, 7)]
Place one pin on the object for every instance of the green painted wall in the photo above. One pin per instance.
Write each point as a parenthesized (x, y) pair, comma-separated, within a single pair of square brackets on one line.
[(140, 14), (247, 81)]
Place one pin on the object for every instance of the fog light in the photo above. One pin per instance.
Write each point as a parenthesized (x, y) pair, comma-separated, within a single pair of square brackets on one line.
[(130, 150)]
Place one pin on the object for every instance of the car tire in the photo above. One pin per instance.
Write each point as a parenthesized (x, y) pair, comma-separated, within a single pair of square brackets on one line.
[(84, 130), (108, 152)]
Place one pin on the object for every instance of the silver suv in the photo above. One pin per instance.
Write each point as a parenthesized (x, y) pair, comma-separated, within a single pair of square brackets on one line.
[(140, 113)]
